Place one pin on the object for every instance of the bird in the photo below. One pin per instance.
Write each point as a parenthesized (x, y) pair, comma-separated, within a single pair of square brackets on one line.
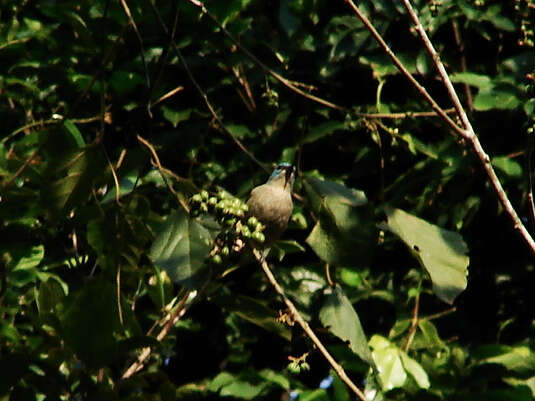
[(271, 203)]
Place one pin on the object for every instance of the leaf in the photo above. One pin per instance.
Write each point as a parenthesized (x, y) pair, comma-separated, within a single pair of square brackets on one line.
[(50, 294), (441, 252), (77, 170), (75, 133), (254, 311), (322, 130), (345, 232), (175, 117), (90, 322), (338, 315), (415, 370), (482, 82), (393, 364), (507, 165), (127, 184), (388, 362), (180, 248), (519, 359), (503, 99)]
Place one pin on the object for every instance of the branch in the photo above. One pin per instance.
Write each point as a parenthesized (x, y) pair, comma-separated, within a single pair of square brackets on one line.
[(466, 132), (306, 328), (203, 93), (172, 318), (404, 70), (469, 134), (289, 84)]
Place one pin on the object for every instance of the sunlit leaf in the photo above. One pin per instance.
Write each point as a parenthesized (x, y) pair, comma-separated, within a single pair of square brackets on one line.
[(338, 315), (441, 252), (180, 248)]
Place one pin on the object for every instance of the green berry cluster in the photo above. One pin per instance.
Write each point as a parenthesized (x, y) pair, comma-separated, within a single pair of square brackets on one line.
[(298, 365), (237, 228)]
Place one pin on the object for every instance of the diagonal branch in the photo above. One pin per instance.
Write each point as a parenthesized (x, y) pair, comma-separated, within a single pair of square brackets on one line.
[(466, 131), (442, 113), (289, 84), (469, 133), (203, 94), (306, 328)]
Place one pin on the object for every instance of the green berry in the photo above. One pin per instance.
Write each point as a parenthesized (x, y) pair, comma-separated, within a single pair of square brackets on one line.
[(225, 251), (216, 259), (203, 208), (212, 201), (258, 236), (205, 195), (196, 198), (252, 222)]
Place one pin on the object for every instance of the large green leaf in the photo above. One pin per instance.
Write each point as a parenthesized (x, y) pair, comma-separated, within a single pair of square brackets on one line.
[(441, 252), (394, 365), (90, 322), (338, 315), (180, 248), (344, 233), (72, 175), (519, 359)]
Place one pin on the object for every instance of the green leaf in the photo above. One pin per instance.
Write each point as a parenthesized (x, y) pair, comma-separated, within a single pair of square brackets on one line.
[(388, 361), (77, 171), (503, 99), (90, 322), (507, 165), (175, 117), (247, 385), (75, 133), (338, 315), (50, 294), (127, 184), (415, 370), (482, 82), (345, 232), (322, 130), (441, 252), (519, 359), (180, 248), (254, 311)]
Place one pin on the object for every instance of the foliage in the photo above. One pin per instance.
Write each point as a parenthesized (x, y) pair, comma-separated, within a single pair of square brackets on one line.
[(116, 113)]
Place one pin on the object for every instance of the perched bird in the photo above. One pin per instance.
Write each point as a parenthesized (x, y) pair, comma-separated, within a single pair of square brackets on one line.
[(271, 203)]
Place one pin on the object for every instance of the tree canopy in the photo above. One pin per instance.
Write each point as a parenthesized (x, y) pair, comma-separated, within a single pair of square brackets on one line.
[(133, 132)]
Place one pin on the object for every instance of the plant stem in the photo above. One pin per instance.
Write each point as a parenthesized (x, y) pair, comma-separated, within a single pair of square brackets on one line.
[(306, 328)]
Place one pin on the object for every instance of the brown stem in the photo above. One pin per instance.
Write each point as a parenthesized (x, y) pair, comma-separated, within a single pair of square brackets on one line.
[(306, 328), (172, 318), (460, 45)]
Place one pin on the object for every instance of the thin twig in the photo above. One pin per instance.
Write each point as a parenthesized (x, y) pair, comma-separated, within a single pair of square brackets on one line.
[(440, 314), (531, 204), (460, 45), (404, 71), (414, 323), (171, 318), (203, 93), (407, 114), (22, 168), (468, 132), (289, 84), (140, 41), (118, 283), (167, 95), (156, 159), (306, 328)]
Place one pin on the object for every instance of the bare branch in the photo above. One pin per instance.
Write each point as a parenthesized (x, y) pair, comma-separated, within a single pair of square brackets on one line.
[(306, 328)]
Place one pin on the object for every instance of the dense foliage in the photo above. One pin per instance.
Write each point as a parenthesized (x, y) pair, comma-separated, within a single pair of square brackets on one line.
[(398, 253)]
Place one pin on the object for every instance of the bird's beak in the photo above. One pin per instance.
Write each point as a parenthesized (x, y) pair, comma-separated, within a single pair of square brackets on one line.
[(287, 176)]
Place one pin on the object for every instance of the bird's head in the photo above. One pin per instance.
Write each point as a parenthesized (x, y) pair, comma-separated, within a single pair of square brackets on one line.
[(284, 175)]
